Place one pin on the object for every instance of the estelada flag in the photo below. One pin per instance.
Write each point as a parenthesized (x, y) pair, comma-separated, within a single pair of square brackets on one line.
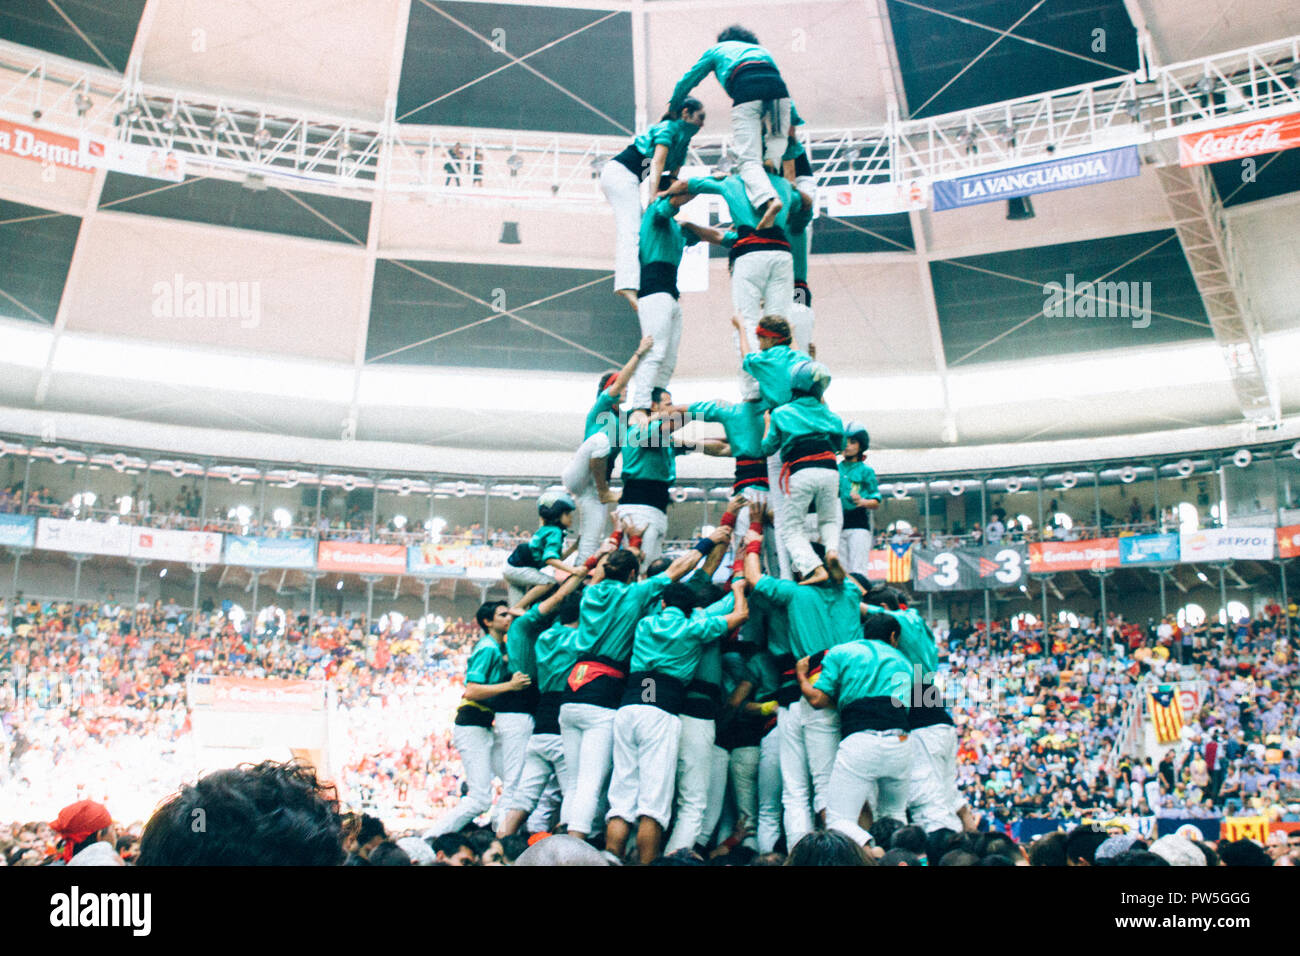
[(1166, 714), (900, 563)]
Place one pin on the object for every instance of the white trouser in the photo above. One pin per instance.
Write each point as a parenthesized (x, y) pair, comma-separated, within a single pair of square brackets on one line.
[(694, 767), (543, 767), (753, 145), (519, 580), (762, 283), (855, 549), (809, 738), (543, 819), (939, 744), (870, 769), (772, 550), (801, 322), (578, 482), (513, 733), (821, 488), (928, 803), (776, 502), (480, 755), (645, 764), (719, 760), (655, 523), (587, 732), (623, 190), (769, 791), (661, 317), (744, 768)]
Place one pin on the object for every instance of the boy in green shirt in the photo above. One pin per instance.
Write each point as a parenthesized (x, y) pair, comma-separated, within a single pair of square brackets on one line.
[(859, 496)]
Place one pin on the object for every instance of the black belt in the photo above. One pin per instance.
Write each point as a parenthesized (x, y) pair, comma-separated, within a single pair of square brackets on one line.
[(788, 691), (928, 714), (755, 80), (645, 491), (806, 446), (546, 719), (856, 519), (703, 700), (473, 715), (634, 162), (516, 701), (748, 239), (604, 691), (872, 713), (653, 689), (750, 472), (658, 277)]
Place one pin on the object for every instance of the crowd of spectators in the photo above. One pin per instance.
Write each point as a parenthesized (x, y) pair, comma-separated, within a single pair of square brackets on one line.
[(93, 707)]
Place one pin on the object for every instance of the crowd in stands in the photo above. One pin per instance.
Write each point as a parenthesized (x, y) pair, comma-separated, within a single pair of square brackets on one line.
[(102, 715)]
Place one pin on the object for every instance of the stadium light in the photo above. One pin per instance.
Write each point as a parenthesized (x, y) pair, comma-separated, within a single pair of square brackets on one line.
[(399, 522), (1201, 575), (162, 573), (339, 586), (282, 517)]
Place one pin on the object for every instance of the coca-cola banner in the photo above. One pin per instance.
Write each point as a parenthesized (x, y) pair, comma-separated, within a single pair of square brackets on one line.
[(1237, 142)]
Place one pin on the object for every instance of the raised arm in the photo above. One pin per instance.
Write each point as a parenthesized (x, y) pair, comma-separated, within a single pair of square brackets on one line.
[(703, 66), (686, 562), (625, 373)]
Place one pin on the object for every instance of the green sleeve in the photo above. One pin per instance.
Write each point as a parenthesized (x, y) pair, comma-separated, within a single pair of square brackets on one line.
[(722, 607), (729, 239), (702, 68), (662, 209), (772, 440), (552, 543), (795, 118), (776, 590), (828, 681), (705, 184), (708, 629), (709, 411), (870, 485), (661, 134), (482, 662)]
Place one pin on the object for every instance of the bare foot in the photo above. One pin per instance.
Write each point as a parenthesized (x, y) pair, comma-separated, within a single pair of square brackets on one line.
[(629, 295), (770, 213), (817, 576)]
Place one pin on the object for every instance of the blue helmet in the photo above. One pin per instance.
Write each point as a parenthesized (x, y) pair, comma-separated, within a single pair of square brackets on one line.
[(856, 431), (553, 504), (810, 377)]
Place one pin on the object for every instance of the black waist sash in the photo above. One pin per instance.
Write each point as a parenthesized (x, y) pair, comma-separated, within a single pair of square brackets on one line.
[(632, 160), (872, 713), (755, 80), (645, 491), (516, 701), (703, 700), (546, 719), (602, 691), (653, 689), (658, 277)]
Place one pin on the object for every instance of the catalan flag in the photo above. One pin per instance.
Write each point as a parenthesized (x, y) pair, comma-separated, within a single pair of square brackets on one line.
[(1166, 714), (900, 563)]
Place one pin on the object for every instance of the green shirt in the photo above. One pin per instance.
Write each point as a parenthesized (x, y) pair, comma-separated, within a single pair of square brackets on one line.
[(599, 416), (773, 368), (860, 669), (609, 614), (800, 418), (547, 543), (915, 639), (521, 640), (720, 60), (768, 625), (741, 421), (486, 664), (675, 134), (556, 652), (662, 236), (732, 190), (709, 669), (670, 643), (860, 477), (648, 454), (820, 615)]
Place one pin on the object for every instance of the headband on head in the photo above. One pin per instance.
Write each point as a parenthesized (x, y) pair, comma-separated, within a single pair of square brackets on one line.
[(769, 334)]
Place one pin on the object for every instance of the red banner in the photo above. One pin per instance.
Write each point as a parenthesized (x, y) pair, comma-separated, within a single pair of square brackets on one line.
[(1048, 556), (1237, 142), (267, 694), (355, 558), (1288, 541), (40, 146)]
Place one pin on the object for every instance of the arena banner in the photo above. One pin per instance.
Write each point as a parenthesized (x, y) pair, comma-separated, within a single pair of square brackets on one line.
[(1227, 544), (985, 568), (162, 544), (1095, 555), (17, 531), (1148, 549), (1240, 141), (84, 537), (477, 561), (41, 146), (133, 158), (878, 565), (1288, 541), (1101, 167), (249, 552), (355, 557), (870, 199), (261, 694), (1193, 828)]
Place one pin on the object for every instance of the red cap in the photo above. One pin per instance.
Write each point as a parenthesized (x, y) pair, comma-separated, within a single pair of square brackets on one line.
[(78, 821)]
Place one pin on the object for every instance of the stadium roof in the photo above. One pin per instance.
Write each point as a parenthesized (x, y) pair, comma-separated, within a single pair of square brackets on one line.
[(393, 312)]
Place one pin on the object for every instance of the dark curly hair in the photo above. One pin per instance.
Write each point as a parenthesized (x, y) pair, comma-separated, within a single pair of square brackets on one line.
[(266, 814)]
